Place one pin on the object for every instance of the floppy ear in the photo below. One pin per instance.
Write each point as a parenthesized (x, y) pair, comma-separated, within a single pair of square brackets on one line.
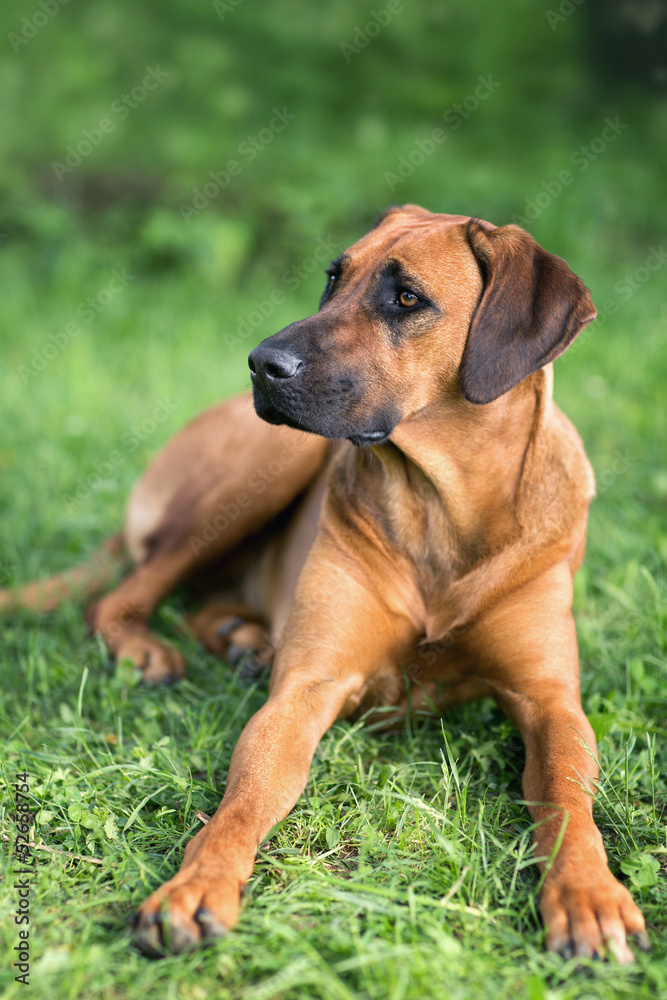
[(531, 308)]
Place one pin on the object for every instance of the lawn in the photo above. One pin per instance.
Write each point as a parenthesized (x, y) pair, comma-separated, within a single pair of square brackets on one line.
[(404, 871)]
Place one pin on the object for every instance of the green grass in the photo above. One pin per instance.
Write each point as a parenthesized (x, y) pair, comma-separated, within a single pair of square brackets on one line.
[(404, 871), (397, 874)]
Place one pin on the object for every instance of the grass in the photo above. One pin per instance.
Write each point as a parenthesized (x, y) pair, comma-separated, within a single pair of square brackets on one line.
[(404, 871)]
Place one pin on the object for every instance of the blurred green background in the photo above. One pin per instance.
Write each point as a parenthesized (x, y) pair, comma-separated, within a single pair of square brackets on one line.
[(98, 174), (131, 296)]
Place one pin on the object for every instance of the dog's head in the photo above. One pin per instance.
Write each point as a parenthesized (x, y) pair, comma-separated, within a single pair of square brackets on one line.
[(424, 306)]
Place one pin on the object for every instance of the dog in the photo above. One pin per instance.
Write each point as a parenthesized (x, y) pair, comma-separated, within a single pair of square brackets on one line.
[(405, 492)]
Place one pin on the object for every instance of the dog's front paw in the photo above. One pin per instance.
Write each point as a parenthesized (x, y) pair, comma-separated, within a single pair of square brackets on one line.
[(197, 906), (591, 916), (158, 663)]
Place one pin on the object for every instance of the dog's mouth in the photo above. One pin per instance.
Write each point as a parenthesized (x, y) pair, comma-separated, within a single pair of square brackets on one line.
[(365, 439), (273, 415)]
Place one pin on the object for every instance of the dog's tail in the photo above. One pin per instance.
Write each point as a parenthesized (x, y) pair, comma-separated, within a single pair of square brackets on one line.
[(78, 584)]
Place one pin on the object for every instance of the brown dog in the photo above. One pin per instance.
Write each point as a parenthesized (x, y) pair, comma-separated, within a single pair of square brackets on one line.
[(459, 524)]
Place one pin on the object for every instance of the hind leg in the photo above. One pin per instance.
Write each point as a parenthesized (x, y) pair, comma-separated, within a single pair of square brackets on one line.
[(121, 619), (222, 478), (236, 634)]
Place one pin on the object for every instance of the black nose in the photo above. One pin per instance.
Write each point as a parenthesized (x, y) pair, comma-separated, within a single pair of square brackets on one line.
[(273, 362)]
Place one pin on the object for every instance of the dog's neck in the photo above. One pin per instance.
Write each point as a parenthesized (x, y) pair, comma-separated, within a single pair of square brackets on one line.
[(471, 457), (444, 497)]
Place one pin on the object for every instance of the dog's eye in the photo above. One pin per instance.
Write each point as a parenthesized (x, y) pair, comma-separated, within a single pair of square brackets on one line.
[(329, 287), (407, 299)]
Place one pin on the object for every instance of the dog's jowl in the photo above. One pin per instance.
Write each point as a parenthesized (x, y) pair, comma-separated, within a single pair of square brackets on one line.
[(404, 476)]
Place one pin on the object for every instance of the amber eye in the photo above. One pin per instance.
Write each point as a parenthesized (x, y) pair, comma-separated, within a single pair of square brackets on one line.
[(407, 300)]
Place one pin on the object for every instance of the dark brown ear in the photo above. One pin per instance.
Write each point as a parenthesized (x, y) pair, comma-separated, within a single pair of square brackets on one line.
[(531, 308)]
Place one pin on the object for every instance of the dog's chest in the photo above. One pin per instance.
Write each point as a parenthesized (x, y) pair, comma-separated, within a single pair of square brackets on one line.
[(419, 526)]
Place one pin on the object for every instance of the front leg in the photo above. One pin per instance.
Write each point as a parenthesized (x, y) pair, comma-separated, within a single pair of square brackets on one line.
[(526, 649), (338, 636)]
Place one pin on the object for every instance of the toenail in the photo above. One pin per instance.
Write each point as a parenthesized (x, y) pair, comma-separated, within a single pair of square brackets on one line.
[(643, 941), (227, 627), (211, 927)]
